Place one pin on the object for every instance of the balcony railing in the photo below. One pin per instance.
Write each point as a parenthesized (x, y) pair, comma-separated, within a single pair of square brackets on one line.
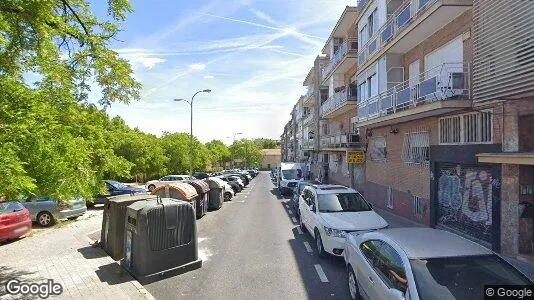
[(444, 82), (308, 119), (361, 5), (309, 93), (349, 46), (395, 24), (340, 140), (336, 101)]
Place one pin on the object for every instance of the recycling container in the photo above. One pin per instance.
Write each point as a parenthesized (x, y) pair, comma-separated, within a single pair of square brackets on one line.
[(201, 200), (160, 239), (216, 193), (177, 190), (112, 233)]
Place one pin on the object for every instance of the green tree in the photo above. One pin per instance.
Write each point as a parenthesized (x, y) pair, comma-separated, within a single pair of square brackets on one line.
[(219, 153), (53, 143), (247, 152), (266, 143)]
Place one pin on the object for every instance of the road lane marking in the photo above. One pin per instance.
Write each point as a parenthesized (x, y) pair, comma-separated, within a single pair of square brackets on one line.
[(290, 211), (294, 220), (299, 230), (308, 247), (321, 273)]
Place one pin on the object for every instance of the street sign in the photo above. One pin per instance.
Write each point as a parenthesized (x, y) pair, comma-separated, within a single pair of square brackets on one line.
[(356, 157)]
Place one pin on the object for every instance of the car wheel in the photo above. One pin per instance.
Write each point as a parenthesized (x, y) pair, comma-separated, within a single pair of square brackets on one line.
[(151, 188), (227, 196), (353, 285), (45, 219), (319, 244)]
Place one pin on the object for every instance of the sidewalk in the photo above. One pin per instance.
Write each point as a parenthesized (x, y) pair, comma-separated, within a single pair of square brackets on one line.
[(66, 256), (394, 221)]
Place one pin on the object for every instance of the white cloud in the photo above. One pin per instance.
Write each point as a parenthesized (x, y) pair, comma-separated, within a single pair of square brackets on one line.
[(149, 62), (209, 77), (197, 67)]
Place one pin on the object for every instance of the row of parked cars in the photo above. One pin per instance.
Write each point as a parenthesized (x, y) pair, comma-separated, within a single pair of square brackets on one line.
[(16, 217), (396, 263)]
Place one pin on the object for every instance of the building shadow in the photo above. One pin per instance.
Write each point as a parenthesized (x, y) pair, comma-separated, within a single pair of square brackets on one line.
[(113, 273), (91, 252)]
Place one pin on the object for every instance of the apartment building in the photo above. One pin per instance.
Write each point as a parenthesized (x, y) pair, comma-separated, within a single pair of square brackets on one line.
[(434, 110), (336, 106)]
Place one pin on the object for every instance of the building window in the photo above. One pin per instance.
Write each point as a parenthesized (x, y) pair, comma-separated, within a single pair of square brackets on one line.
[(389, 198), (363, 36), (416, 149), (471, 128), (377, 148), (363, 91), (527, 189), (372, 21), (417, 206)]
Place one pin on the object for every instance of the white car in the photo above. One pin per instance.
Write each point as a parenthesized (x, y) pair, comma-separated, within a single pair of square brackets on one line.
[(228, 192), (329, 212), (153, 184), (422, 263)]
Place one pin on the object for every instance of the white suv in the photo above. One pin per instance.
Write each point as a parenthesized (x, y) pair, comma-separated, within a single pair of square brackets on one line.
[(328, 212)]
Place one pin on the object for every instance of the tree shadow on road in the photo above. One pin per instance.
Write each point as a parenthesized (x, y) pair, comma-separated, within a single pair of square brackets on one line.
[(8, 273), (113, 273), (91, 252)]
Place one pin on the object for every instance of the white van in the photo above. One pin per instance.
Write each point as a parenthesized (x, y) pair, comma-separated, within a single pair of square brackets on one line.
[(288, 177)]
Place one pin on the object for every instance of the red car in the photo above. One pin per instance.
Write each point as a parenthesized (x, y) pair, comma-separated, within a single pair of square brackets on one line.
[(15, 221)]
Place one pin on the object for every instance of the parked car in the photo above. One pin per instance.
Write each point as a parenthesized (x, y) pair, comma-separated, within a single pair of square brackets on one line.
[(15, 221), (201, 175), (422, 263), (297, 191), (328, 212), (252, 173), (228, 192), (115, 188), (46, 211), (235, 185), (244, 178), (152, 184)]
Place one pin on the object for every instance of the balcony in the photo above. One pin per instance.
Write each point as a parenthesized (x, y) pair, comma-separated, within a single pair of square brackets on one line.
[(308, 98), (308, 119), (411, 23), (337, 104), (342, 60), (442, 89), (307, 145), (340, 141)]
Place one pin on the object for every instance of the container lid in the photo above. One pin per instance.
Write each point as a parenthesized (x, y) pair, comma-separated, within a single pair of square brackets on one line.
[(215, 183), (126, 198), (176, 190), (200, 185)]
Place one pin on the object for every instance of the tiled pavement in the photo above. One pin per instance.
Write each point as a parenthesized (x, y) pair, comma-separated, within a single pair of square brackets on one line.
[(65, 255)]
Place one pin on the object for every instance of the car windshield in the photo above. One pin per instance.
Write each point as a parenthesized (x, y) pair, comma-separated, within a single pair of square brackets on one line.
[(9, 207), (462, 277), (292, 174), (341, 202), (117, 185)]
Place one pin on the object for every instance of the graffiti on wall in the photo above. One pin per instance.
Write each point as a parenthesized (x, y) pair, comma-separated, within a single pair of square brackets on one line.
[(465, 197)]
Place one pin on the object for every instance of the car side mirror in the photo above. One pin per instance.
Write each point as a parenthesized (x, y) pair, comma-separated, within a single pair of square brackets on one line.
[(395, 294)]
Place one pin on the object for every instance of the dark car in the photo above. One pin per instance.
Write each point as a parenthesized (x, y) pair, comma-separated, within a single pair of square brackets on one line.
[(235, 186), (201, 175), (252, 173), (116, 188), (245, 179)]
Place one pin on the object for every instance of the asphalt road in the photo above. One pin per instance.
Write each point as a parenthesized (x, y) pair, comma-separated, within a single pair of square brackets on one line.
[(251, 248)]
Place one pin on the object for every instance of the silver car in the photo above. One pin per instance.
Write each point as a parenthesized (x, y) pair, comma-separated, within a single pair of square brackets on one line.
[(45, 211), (422, 263)]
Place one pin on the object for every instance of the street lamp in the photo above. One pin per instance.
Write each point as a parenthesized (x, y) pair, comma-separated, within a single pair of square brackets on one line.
[(191, 128)]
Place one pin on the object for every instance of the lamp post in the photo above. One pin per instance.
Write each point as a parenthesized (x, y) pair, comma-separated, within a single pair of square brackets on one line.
[(191, 128)]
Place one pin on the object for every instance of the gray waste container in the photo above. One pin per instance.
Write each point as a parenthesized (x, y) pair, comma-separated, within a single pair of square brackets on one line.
[(160, 239), (202, 199), (112, 233), (216, 193)]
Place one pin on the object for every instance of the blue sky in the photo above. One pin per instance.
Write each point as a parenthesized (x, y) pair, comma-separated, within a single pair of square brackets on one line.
[(254, 55)]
